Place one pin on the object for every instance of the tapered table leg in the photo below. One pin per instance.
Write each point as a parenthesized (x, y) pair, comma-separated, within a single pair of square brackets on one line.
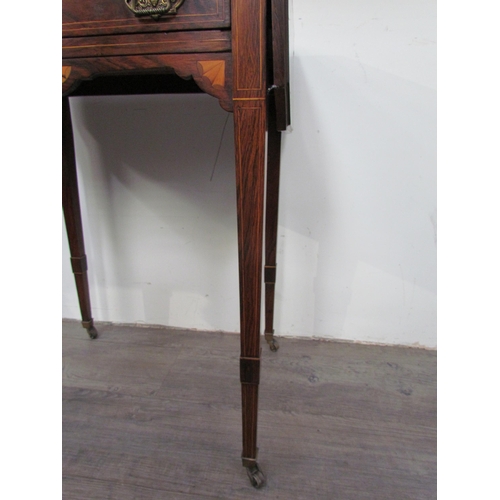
[(73, 219), (272, 197), (250, 134)]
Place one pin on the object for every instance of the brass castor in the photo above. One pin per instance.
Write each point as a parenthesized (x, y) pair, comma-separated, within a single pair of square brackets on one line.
[(256, 476), (273, 345), (92, 332), (89, 326)]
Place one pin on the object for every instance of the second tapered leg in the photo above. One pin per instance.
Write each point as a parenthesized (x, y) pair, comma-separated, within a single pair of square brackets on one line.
[(272, 197), (73, 219)]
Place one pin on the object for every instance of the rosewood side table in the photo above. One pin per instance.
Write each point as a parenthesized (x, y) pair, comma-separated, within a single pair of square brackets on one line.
[(234, 50)]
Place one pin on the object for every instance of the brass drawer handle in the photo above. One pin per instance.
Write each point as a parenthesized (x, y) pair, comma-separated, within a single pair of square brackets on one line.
[(153, 8)]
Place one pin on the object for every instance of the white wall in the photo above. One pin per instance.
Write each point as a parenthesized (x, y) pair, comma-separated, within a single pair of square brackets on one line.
[(357, 234)]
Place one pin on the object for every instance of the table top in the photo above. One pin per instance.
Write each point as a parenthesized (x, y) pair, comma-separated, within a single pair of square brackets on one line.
[(194, 39)]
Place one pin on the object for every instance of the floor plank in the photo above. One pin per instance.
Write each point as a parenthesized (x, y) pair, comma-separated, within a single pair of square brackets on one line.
[(152, 413)]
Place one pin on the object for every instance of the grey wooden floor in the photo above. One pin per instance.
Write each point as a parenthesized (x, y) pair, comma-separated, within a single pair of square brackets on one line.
[(153, 413)]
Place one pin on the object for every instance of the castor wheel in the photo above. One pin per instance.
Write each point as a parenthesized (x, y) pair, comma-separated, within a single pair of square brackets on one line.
[(273, 345), (88, 324), (256, 476), (92, 332)]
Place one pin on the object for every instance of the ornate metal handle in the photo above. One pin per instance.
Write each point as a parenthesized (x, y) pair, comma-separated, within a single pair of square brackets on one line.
[(153, 8)]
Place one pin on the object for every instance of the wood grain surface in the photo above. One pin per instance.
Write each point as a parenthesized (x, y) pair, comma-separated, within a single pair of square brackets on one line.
[(102, 40), (150, 43), (154, 413), (184, 65), (88, 17), (72, 215)]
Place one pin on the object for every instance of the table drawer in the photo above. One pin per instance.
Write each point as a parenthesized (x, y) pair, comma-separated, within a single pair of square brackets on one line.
[(102, 17)]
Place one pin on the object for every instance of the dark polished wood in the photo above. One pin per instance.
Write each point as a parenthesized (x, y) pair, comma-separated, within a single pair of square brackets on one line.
[(177, 42), (194, 66), (236, 51), (73, 219), (279, 41), (271, 236), (107, 17)]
